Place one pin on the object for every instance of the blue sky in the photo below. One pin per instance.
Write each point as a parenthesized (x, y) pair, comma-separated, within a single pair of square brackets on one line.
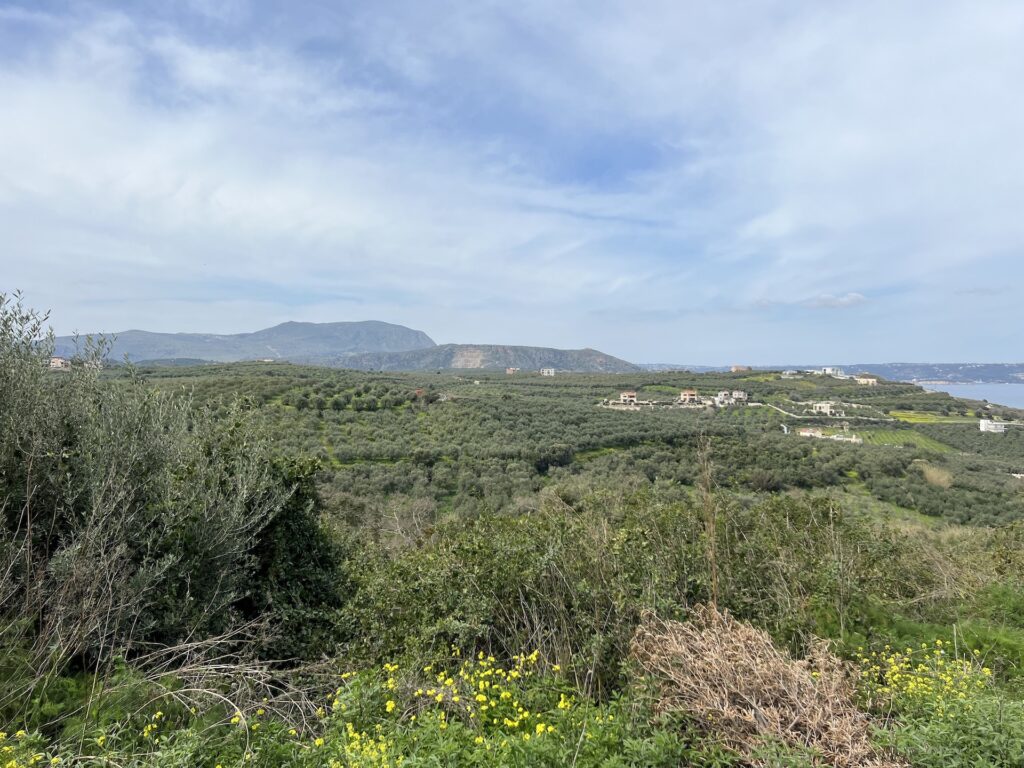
[(674, 181)]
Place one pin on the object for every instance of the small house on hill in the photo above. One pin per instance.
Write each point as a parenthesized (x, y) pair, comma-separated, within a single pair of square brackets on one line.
[(689, 397)]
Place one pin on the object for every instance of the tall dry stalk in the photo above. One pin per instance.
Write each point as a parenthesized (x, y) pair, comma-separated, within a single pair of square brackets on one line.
[(709, 507)]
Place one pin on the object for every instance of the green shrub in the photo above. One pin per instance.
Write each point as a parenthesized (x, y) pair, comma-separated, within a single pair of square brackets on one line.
[(573, 577), (941, 707), (474, 712), (132, 519)]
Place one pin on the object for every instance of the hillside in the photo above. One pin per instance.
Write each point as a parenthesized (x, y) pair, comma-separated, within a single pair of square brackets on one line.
[(485, 356), (511, 525), (287, 341)]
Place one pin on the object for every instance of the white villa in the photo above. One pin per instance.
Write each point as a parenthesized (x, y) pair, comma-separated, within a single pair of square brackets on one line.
[(826, 409), (988, 425)]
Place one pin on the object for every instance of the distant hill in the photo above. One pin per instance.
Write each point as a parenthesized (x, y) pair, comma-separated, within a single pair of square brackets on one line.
[(950, 373), (486, 356), (369, 345), (664, 367), (287, 341)]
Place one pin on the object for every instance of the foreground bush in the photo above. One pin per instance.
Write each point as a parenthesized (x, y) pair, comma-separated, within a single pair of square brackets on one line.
[(942, 708), (573, 577), (131, 521), (473, 712)]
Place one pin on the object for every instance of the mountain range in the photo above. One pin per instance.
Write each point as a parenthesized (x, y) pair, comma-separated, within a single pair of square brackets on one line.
[(486, 356), (372, 345), (366, 345), (287, 341)]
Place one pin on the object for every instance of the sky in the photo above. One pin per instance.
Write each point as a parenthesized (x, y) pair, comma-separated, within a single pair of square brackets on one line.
[(684, 182)]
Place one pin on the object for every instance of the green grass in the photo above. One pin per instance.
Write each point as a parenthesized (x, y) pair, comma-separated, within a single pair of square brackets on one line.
[(594, 453), (927, 417), (857, 499), (903, 437)]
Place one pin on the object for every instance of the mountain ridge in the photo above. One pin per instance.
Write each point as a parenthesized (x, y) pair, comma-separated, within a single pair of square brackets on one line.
[(489, 357), (284, 341), (363, 345)]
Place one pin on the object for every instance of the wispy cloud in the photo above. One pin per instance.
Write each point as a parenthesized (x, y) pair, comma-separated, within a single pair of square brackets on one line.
[(827, 301)]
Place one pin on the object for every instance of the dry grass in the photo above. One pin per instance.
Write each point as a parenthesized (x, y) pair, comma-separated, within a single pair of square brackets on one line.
[(730, 679), (941, 478)]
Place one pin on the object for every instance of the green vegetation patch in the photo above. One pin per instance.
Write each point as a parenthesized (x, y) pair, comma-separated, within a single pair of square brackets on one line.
[(903, 437), (928, 417)]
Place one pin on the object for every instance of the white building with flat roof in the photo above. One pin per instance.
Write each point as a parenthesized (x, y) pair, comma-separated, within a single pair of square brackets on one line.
[(988, 425)]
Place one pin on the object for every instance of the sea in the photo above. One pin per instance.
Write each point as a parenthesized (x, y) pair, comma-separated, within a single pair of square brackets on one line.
[(1000, 394)]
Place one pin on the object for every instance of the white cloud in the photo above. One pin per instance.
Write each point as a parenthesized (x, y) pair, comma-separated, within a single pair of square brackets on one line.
[(827, 301)]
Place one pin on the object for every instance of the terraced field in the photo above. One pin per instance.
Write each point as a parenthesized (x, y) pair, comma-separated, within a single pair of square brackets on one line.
[(928, 417), (908, 437)]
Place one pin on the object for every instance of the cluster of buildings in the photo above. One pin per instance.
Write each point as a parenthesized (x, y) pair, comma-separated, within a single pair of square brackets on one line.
[(988, 425), (542, 371), (827, 408), (57, 363), (866, 379), (840, 437), (688, 398), (725, 397)]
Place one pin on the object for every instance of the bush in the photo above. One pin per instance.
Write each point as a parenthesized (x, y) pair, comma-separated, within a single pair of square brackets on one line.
[(131, 518), (464, 712), (942, 708)]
